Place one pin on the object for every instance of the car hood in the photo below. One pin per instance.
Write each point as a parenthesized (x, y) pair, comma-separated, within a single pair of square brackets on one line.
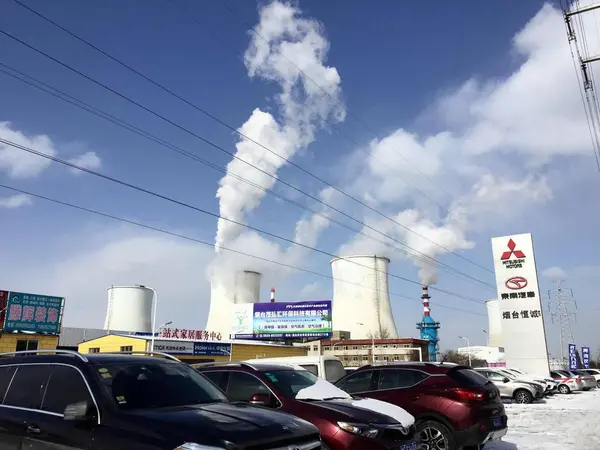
[(235, 422), (345, 410)]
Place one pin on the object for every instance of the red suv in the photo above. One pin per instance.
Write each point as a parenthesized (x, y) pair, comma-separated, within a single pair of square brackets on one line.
[(453, 405), (343, 426)]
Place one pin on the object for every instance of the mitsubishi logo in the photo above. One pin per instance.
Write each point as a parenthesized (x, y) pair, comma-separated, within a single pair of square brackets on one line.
[(511, 246)]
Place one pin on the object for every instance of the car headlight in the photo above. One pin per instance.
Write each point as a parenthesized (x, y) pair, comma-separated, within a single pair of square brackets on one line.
[(194, 446), (360, 429)]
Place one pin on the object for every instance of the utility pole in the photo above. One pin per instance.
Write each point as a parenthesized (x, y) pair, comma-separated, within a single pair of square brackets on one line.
[(563, 307)]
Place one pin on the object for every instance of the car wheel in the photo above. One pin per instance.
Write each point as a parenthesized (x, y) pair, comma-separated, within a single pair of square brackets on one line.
[(434, 436), (564, 389), (522, 396), (598, 383)]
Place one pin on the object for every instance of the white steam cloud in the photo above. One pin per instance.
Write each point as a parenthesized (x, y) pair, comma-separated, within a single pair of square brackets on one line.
[(280, 37)]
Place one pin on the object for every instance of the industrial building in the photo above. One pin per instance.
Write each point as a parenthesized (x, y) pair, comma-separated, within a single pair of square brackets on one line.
[(358, 352), (129, 308), (191, 351), (243, 289), (483, 352), (361, 301), (429, 327)]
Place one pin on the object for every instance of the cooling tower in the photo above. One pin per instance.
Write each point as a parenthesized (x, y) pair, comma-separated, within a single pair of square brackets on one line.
[(362, 306), (243, 287), (129, 309), (494, 324)]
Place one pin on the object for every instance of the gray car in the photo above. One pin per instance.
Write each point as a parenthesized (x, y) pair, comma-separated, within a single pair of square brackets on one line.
[(520, 391)]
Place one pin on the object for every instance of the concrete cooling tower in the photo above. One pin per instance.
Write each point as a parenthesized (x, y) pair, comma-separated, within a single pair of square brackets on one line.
[(494, 323), (129, 309), (362, 306), (243, 287)]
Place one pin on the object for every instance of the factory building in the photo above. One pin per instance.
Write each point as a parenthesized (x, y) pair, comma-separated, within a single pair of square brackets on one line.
[(129, 308), (225, 293), (361, 301), (429, 327)]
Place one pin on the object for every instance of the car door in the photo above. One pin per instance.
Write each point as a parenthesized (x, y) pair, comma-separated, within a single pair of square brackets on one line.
[(49, 430), (401, 387), (12, 428), (361, 383), (506, 389)]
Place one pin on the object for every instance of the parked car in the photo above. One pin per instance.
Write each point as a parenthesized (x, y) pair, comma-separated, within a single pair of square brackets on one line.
[(566, 383), (67, 400), (521, 391), (324, 366), (589, 382), (345, 423), (349, 369), (595, 373), (543, 380), (454, 407)]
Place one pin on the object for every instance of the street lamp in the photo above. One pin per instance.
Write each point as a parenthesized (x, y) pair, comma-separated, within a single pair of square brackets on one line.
[(468, 348), (372, 342), (487, 339), (154, 305), (161, 327)]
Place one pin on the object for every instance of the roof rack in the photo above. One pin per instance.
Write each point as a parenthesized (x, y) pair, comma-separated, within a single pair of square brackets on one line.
[(224, 364), (37, 352), (161, 354)]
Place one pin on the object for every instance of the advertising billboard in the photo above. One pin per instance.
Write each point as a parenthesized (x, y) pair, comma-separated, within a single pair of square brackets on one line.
[(573, 362), (523, 331), (282, 320), (192, 348), (33, 312), (585, 357)]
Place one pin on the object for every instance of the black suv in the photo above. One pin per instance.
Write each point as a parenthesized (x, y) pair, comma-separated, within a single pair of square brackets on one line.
[(72, 401)]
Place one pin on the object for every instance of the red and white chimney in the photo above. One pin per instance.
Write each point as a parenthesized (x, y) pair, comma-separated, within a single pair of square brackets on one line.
[(272, 295), (425, 297)]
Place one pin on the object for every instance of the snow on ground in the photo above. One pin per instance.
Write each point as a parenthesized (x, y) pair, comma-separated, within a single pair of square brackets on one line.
[(565, 422)]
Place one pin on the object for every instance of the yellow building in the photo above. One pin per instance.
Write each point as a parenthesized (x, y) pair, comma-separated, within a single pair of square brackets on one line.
[(16, 342), (192, 351)]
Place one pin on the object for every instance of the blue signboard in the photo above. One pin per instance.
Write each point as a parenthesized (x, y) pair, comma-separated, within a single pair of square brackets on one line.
[(573, 363), (33, 312), (212, 349), (283, 320), (585, 357)]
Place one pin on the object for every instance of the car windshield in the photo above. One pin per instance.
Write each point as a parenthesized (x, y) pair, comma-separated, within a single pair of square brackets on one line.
[(143, 385), (508, 375), (290, 382)]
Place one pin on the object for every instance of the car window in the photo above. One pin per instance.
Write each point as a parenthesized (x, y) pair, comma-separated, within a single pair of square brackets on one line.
[(467, 377), (357, 382), (334, 370), (220, 378), (156, 384), (290, 382), (312, 368), (399, 378), (242, 386), (6, 375), (65, 387), (28, 386), (495, 376)]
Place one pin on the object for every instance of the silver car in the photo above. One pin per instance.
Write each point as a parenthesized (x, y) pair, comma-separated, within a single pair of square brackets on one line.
[(520, 391), (589, 382), (545, 381), (593, 372)]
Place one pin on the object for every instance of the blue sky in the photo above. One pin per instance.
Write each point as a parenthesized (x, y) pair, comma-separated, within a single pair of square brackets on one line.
[(488, 110)]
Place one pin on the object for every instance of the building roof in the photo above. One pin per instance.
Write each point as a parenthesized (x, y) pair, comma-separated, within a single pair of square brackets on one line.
[(377, 341), (222, 342)]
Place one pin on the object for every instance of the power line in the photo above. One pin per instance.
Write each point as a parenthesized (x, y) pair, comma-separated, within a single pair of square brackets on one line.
[(215, 215), (134, 129), (211, 116), (199, 241)]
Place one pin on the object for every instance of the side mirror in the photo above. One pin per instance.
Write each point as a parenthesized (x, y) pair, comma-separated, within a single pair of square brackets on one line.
[(506, 380), (261, 400), (79, 412)]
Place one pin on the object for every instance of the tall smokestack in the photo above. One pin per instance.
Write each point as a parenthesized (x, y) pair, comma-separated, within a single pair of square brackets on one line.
[(425, 297), (272, 295)]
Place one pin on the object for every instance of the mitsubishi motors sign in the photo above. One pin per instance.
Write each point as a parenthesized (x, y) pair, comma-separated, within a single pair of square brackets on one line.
[(522, 321)]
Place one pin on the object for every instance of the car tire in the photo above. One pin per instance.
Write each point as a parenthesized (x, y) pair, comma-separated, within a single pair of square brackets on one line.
[(523, 396), (564, 389), (598, 383), (434, 435)]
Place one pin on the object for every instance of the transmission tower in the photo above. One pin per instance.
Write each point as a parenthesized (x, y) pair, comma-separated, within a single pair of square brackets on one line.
[(563, 307)]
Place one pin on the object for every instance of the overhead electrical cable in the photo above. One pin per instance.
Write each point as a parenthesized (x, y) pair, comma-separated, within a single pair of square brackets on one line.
[(211, 116), (31, 81), (209, 244), (217, 216)]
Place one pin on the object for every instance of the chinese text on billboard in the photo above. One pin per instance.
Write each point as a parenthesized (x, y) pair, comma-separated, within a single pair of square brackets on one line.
[(33, 312)]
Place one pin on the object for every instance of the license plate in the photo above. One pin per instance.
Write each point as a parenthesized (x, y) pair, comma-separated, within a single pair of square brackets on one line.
[(411, 446), (497, 422)]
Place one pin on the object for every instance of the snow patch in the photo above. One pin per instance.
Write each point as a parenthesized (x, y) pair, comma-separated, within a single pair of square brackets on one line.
[(321, 390), (395, 412)]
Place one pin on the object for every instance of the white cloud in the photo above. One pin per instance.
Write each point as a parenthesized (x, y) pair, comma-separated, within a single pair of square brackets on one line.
[(554, 273), (87, 160), (15, 201), (19, 163)]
